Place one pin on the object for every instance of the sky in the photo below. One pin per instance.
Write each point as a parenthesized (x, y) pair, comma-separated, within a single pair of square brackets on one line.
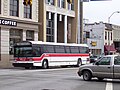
[(97, 11)]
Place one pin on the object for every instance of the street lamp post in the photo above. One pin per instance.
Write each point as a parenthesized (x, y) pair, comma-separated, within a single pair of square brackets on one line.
[(112, 15), (109, 33)]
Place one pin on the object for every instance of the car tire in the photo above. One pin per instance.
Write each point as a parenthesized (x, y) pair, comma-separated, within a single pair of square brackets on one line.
[(87, 75), (100, 79), (45, 64)]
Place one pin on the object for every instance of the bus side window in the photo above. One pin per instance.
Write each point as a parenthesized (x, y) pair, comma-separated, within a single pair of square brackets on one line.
[(67, 49), (36, 51), (84, 50), (87, 50), (59, 49), (44, 49), (74, 49), (50, 48)]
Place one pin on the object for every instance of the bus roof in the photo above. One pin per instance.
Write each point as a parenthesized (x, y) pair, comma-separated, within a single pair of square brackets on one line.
[(52, 43)]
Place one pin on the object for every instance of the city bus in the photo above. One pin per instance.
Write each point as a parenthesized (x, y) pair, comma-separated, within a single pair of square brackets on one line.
[(30, 54)]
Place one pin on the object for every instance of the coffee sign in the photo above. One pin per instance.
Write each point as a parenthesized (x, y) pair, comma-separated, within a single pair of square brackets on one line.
[(8, 22)]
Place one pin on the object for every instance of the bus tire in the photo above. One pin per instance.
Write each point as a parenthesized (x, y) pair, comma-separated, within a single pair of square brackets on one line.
[(45, 64), (79, 63)]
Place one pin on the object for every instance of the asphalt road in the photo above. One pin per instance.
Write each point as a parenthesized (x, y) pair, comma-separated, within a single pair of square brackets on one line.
[(51, 79)]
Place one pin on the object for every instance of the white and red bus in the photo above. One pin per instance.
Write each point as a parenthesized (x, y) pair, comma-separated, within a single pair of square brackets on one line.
[(29, 54)]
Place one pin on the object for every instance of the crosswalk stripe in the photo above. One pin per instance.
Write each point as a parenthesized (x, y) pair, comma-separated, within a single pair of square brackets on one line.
[(109, 85)]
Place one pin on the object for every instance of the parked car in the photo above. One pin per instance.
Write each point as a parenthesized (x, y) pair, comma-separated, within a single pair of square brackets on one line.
[(94, 58), (107, 67)]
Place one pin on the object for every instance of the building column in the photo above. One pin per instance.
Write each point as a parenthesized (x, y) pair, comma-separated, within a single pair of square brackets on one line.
[(60, 4), (66, 4), (56, 2), (4, 47), (35, 35), (55, 27), (65, 29), (24, 35)]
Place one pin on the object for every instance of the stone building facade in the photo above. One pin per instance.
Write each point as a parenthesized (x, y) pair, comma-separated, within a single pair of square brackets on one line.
[(17, 23)]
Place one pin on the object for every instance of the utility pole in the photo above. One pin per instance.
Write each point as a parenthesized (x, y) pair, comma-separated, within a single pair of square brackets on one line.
[(81, 22)]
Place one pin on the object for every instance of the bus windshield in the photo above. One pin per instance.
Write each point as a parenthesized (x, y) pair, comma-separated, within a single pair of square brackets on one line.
[(23, 52)]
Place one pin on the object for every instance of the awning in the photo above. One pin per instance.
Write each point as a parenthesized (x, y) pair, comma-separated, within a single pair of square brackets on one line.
[(109, 48)]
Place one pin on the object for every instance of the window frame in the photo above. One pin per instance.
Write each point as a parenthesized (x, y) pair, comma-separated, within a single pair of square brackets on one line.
[(87, 34), (48, 48), (59, 49), (67, 49), (15, 36), (29, 35), (74, 49), (111, 36), (116, 57), (83, 49), (14, 8), (105, 59), (105, 35), (28, 11), (71, 6), (51, 2), (50, 28)]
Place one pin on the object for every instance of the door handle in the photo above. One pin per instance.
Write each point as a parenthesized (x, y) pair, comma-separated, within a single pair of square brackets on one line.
[(109, 67)]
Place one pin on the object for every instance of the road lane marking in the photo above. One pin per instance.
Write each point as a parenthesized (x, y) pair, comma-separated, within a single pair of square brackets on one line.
[(109, 85)]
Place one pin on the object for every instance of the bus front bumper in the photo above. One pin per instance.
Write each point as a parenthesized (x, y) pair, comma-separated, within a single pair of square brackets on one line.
[(26, 64), (22, 64)]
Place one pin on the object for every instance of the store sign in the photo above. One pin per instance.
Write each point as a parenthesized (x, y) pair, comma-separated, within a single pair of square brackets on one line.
[(8, 22), (93, 43)]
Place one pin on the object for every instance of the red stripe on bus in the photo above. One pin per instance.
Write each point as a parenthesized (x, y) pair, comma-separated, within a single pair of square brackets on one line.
[(52, 55), (60, 55)]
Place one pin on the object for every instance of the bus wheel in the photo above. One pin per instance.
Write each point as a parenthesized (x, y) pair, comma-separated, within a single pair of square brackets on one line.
[(45, 64), (79, 63)]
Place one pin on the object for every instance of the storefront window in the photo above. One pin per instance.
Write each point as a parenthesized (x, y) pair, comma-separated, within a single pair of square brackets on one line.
[(15, 37), (29, 35)]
